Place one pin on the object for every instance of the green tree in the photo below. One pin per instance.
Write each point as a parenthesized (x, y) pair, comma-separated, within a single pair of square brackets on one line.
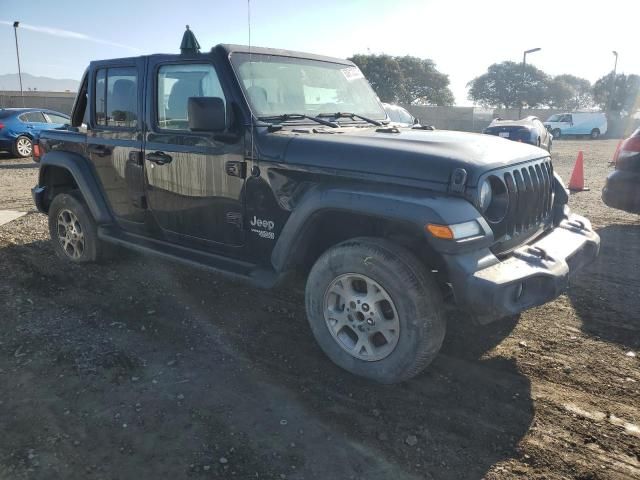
[(626, 91), (423, 83), (569, 92), (408, 80), (503, 85), (384, 75)]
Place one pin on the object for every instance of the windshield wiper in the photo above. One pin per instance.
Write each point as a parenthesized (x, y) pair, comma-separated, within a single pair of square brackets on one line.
[(299, 116), (338, 115)]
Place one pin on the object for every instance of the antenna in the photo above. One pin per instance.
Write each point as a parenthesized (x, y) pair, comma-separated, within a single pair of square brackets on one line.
[(253, 156)]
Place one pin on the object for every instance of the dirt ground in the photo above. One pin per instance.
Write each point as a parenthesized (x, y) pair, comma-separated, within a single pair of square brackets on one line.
[(141, 369)]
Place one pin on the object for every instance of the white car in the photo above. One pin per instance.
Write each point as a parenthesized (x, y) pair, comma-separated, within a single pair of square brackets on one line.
[(399, 116), (593, 124)]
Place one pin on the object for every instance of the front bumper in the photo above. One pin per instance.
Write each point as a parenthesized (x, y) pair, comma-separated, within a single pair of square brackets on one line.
[(532, 275), (622, 191)]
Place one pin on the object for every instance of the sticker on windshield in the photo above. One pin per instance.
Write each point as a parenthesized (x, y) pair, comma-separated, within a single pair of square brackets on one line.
[(352, 73)]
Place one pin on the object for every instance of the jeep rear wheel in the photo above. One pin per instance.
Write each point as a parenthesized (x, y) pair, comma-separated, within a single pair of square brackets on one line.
[(375, 310), (73, 230)]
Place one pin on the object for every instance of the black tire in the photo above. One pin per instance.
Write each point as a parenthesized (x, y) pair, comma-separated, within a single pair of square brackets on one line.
[(556, 133), (23, 147), (414, 294), (63, 208), (595, 134)]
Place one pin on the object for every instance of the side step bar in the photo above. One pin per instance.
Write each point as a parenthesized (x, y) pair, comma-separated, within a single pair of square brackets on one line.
[(237, 269)]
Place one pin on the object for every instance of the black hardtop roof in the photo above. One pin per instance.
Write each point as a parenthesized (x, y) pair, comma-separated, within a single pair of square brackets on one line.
[(229, 49)]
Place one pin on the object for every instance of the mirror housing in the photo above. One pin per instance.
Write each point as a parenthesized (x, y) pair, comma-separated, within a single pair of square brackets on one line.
[(206, 114)]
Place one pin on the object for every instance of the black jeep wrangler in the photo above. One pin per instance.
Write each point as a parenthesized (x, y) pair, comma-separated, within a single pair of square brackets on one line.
[(258, 162)]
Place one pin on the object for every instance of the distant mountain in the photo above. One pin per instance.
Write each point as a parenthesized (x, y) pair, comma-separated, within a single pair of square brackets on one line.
[(10, 81)]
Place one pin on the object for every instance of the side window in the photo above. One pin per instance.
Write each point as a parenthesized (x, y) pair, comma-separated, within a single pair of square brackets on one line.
[(393, 115), (35, 117), (176, 83), (53, 118), (116, 97), (405, 117)]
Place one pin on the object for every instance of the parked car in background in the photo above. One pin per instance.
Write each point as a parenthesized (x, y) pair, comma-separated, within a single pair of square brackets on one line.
[(20, 126), (528, 130), (622, 189), (592, 124), (399, 116)]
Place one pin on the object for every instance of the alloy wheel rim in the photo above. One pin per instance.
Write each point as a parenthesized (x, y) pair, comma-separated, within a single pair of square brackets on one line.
[(70, 234), (24, 147), (361, 317)]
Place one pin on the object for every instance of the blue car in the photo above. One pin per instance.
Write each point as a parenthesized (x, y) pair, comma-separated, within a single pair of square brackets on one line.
[(19, 127)]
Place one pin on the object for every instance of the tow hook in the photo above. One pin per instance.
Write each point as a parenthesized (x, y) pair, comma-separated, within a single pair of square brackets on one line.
[(540, 252), (533, 251), (576, 224)]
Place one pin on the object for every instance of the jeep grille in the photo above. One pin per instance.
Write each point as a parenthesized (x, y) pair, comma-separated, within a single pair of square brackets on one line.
[(530, 198)]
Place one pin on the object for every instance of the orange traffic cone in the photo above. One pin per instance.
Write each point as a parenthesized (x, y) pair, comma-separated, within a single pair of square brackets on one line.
[(576, 183)]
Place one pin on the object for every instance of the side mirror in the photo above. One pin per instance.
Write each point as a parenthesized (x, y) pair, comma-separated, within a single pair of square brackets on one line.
[(416, 121), (206, 114)]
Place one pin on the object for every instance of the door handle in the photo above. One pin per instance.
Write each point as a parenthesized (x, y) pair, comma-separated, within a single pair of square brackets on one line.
[(100, 150), (159, 158)]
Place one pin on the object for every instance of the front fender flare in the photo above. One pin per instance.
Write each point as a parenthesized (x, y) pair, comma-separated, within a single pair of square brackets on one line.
[(81, 171), (413, 207)]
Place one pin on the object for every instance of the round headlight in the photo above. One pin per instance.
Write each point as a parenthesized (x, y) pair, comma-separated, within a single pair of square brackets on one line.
[(486, 195)]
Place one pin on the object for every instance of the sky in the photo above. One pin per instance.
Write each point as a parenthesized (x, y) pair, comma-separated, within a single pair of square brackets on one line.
[(463, 37)]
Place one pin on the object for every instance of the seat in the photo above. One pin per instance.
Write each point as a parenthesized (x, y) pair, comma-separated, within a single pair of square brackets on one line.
[(177, 104), (123, 98)]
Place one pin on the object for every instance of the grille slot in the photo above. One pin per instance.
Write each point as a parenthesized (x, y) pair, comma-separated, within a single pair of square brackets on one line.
[(530, 190)]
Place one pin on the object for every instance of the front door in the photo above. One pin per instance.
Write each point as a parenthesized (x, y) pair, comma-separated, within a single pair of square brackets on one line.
[(194, 183)]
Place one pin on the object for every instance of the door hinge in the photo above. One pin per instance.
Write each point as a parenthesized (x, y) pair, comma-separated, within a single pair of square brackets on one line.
[(236, 169)]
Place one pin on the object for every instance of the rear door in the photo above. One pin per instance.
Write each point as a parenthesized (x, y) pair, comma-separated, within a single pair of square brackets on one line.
[(194, 183), (114, 137), (34, 122), (56, 120)]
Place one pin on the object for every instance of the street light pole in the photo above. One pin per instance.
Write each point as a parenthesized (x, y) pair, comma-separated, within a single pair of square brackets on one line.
[(612, 88), (524, 64), (15, 33)]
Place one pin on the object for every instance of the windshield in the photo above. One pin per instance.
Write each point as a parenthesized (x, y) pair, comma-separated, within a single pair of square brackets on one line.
[(276, 85), (554, 118)]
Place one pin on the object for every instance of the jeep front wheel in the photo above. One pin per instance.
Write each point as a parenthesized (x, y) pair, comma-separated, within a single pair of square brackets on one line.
[(375, 310), (73, 230)]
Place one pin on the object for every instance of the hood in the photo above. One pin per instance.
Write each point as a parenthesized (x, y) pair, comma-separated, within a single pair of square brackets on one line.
[(412, 154)]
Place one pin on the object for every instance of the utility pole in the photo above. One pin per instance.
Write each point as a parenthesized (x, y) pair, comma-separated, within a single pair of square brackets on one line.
[(524, 64), (15, 33), (612, 87)]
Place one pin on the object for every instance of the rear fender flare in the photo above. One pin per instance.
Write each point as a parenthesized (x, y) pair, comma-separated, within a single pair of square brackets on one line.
[(83, 174)]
